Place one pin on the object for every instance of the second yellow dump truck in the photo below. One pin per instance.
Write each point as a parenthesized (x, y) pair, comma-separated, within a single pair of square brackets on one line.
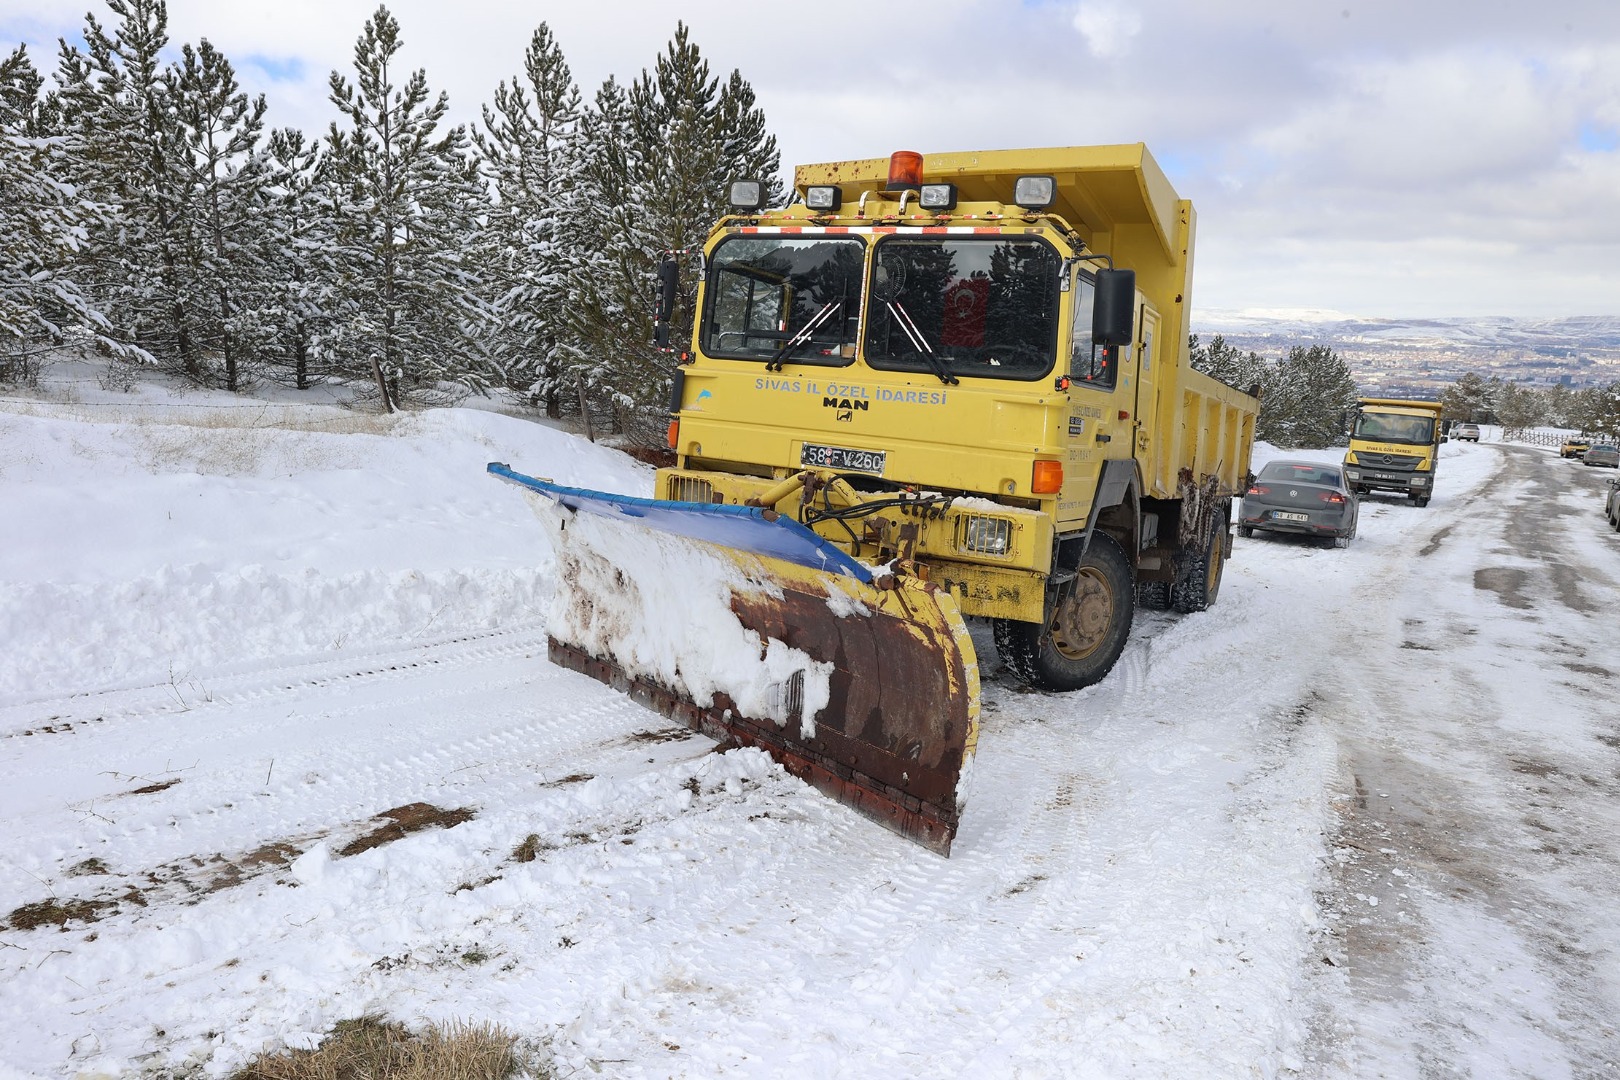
[(932, 386), (1394, 446)]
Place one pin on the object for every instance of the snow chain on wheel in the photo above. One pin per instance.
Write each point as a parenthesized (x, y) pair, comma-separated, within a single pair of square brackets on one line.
[(1153, 595), (1085, 629), (1199, 583)]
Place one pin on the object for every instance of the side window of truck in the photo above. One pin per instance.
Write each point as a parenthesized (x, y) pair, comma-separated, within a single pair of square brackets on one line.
[(1097, 367)]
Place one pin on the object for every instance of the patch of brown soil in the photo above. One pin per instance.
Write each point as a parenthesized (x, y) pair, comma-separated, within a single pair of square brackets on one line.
[(153, 789), (404, 820), (269, 857), (88, 868), (663, 735), (58, 913)]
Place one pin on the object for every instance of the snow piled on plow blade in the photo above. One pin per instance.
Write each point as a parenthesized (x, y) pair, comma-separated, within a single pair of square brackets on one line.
[(750, 628)]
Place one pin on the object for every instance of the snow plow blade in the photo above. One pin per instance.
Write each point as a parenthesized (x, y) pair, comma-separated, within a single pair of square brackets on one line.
[(750, 628)]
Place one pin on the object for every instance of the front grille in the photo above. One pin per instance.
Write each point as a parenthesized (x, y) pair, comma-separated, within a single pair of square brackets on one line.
[(690, 489), (985, 536), (1392, 462)]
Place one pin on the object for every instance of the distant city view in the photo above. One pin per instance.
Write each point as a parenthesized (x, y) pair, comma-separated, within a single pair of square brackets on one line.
[(1421, 357)]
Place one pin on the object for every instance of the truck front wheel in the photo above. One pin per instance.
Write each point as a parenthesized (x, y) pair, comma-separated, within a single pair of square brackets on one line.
[(1086, 626)]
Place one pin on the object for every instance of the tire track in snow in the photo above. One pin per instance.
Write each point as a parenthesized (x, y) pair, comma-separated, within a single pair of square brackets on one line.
[(563, 724), (63, 714)]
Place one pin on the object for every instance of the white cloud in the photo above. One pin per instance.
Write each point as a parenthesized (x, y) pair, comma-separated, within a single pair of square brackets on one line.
[(1445, 153), (1107, 27)]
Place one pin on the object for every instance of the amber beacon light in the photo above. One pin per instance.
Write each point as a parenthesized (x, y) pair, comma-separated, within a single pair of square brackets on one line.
[(905, 170)]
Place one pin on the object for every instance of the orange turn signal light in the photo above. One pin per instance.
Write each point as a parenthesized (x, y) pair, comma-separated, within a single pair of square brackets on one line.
[(674, 433), (1047, 478)]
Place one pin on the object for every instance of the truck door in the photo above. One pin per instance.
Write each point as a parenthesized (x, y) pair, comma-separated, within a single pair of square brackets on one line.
[(1147, 386), (1098, 393)]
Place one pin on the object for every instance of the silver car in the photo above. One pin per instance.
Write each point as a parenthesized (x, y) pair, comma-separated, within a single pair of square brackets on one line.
[(1304, 498), (1605, 454), (1611, 506)]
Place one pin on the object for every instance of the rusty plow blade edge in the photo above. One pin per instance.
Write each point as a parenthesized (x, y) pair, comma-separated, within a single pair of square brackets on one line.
[(884, 667)]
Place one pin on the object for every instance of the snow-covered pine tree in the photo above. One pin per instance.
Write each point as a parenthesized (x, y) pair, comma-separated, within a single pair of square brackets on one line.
[(1228, 363), (532, 155), (226, 174), (298, 233), (608, 310), (1305, 398), (42, 227), (1469, 398), (748, 149), (118, 105), (23, 111), (685, 137), (413, 200)]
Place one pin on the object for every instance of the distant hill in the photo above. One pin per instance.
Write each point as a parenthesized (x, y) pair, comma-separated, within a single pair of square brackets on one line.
[(1429, 354)]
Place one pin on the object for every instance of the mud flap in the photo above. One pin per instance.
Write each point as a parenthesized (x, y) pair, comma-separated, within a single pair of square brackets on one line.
[(750, 628)]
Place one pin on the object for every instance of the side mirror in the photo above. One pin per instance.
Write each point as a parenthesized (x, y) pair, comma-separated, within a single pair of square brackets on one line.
[(1114, 315), (669, 283)]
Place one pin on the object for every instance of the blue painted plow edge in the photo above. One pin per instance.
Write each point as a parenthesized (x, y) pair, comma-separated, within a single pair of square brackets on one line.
[(746, 528)]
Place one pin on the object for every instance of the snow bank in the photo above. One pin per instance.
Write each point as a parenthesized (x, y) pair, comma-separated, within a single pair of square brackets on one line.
[(240, 534)]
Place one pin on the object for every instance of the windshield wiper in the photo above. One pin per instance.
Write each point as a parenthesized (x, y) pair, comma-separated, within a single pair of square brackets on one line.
[(921, 343), (797, 341)]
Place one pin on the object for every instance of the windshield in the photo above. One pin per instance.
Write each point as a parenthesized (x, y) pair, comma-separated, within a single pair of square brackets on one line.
[(782, 298), (986, 308), (1394, 428)]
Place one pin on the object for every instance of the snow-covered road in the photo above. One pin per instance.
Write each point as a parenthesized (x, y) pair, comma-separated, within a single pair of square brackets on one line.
[(303, 759), (1478, 883)]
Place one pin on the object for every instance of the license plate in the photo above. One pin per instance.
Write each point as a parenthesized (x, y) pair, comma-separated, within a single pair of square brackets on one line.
[(1384, 476), (1284, 515), (837, 457)]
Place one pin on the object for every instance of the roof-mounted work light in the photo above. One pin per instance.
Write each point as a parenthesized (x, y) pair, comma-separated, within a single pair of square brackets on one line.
[(1035, 192), (941, 197), (823, 199), (905, 171), (747, 194)]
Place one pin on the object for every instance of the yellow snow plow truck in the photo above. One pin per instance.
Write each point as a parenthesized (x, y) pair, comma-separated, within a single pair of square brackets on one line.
[(930, 387)]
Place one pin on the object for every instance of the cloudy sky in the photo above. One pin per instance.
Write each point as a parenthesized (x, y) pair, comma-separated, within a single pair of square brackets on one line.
[(1372, 157)]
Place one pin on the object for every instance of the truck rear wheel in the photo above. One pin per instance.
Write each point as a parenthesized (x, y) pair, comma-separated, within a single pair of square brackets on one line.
[(1200, 581), (1085, 630)]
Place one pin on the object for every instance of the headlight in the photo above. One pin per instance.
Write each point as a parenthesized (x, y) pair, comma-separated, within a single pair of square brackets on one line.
[(940, 197), (1353, 474), (823, 198), (985, 535), (1420, 481), (1035, 192), (746, 194)]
